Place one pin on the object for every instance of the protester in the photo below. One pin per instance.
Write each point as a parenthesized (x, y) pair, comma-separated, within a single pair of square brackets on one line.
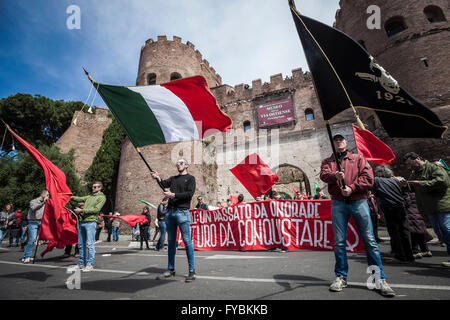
[(229, 203), (15, 228), (277, 195), (143, 227), (350, 199), (9, 208), (298, 195), (240, 198), (108, 226), (34, 217), (374, 214), (115, 225), (201, 204), (219, 205), (417, 228), (258, 198), (319, 194), (393, 205), (179, 189), (135, 232), (161, 216), (431, 184), (93, 203), (100, 225)]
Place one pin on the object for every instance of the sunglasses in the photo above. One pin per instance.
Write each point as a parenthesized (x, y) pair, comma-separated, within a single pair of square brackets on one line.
[(180, 162), (95, 187)]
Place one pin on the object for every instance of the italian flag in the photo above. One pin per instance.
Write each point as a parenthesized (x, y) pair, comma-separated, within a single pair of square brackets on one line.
[(180, 110)]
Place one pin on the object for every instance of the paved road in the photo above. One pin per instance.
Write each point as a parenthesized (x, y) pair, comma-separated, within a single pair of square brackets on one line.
[(123, 272)]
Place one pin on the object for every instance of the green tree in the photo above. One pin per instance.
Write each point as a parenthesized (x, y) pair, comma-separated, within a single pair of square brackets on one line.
[(22, 179), (105, 165), (37, 119)]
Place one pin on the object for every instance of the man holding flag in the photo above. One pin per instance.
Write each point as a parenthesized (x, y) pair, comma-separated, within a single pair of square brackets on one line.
[(88, 222), (34, 217), (179, 190), (348, 190)]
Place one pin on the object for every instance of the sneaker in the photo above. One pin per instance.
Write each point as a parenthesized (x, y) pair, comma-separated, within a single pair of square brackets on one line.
[(88, 268), (169, 273), (191, 276), (384, 288), (446, 264), (427, 254), (338, 284), (418, 255), (27, 260), (76, 255)]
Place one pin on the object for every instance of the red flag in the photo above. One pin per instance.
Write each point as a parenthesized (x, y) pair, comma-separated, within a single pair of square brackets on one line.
[(131, 219), (255, 175), (57, 225), (372, 148)]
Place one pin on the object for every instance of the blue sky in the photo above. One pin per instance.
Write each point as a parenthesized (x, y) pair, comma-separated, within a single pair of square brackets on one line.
[(243, 40)]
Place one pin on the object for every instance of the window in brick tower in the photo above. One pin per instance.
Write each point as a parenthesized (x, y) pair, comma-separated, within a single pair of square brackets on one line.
[(175, 76), (434, 14), (151, 79), (395, 25)]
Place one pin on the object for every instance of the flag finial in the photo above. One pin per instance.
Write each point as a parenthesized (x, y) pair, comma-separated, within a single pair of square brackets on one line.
[(87, 73)]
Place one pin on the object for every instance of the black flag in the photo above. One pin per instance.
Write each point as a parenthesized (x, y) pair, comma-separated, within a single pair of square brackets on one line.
[(346, 75)]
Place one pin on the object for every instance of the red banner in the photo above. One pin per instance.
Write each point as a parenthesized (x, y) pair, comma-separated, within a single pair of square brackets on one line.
[(287, 224)]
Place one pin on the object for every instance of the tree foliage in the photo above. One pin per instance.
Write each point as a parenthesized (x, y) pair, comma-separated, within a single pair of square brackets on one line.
[(22, 179), (37, 119), (105, 165)]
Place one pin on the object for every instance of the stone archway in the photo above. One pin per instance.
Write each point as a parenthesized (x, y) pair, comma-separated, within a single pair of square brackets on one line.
[(291, 177)]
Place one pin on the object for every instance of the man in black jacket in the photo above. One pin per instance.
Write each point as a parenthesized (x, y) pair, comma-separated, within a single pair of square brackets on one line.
[(179, 190)]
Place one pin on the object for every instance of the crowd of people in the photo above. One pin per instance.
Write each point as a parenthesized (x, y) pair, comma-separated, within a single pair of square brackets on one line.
[(356, 190)]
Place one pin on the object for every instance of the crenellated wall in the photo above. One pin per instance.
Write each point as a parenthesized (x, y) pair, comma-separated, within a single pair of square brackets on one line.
[(164, 57)]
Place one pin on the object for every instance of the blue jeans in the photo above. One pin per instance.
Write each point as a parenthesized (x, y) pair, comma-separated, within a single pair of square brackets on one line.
[(115, 233), (162, 230), (340, 214), (441, 223), (24, 235), (2, 234), (181, 219), (86, 242), (33, 228)]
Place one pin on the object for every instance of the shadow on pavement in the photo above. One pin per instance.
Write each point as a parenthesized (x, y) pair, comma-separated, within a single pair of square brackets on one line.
[(33, 275), (119, 285)]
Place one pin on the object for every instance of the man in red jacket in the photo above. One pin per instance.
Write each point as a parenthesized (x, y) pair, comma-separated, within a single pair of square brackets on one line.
[(348, 189)]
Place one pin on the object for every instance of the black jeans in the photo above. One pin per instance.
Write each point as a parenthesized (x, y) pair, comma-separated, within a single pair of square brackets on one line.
[(143, 235), (398, 229), (374, 219), (418, 241), (69, 248), (97, 233)]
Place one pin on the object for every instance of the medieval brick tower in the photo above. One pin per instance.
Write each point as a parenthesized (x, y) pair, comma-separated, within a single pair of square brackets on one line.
[(412, 45)]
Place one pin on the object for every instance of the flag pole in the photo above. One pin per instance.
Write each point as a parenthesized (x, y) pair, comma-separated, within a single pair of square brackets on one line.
[(327, 123), (137, 148)]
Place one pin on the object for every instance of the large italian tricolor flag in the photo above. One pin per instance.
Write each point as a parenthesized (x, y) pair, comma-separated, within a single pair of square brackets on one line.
[(180, 110)]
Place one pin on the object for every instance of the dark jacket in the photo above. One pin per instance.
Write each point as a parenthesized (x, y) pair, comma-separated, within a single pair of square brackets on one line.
[(161, 215), (358, 176), (146, 223), (390, 192), (184, 187), (415, 219)]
